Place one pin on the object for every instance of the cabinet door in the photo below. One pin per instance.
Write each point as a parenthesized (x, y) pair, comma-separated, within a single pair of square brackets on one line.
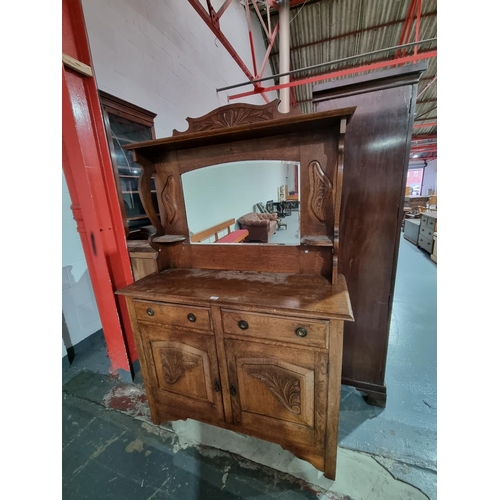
[(184, 373), (278, 393)]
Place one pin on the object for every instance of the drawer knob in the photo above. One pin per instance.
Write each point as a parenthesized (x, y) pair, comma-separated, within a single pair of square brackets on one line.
[(191, 317), (216, 385), (232, 389), (150, 311), (243, 325), (301, 332)]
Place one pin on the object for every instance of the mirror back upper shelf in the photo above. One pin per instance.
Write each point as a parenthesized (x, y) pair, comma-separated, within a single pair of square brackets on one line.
[(258, 135)]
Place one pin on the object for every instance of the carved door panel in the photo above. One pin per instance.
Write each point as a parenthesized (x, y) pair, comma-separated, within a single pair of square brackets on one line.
[(184, 370), (278, 392)]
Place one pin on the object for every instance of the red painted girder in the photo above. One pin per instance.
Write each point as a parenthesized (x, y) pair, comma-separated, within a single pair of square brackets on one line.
[(85, 215), (250, 36), (90, 177), (218, 33), (424, 125), (223, 8), (269, 48), (260, 18), (422, 150), (335, 74), (405, 32), (423, 137), (417, 25)]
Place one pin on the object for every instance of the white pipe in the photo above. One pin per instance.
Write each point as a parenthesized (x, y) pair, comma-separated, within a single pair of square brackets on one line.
[(284, 54)]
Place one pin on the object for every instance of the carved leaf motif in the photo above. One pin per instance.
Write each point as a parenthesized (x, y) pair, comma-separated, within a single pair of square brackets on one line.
[(168, 197), (174, 366), (321, 189), (232, 117), (285, 388)]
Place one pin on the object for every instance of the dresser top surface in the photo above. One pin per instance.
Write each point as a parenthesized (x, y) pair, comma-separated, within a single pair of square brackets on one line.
[(302, 293), (430, 214)]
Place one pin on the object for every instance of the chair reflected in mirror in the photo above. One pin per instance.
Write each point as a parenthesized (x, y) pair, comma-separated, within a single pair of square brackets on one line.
[(266, 210)]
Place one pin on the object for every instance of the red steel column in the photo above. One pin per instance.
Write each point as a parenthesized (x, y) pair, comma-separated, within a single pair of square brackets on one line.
[(89, 174)]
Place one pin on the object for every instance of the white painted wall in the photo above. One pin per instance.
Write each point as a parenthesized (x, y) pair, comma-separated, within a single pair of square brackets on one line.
[(78, 302), (160, 55), (430, 178), (215, 194), (290, 180)]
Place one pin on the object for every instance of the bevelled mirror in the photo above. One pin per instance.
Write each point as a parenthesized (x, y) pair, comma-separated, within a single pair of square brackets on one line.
[(245, 202)]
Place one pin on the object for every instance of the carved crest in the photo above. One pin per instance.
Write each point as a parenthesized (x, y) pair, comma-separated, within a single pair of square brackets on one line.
[(285, 388), (232, 115), (320, 190), (174, 366), (168, 198)]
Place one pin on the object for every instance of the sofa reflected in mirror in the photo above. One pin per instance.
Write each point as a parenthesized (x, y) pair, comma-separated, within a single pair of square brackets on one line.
[(260, 227), (228, 203)]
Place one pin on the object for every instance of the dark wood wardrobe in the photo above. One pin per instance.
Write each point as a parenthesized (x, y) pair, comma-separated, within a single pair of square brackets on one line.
[(377, 146)]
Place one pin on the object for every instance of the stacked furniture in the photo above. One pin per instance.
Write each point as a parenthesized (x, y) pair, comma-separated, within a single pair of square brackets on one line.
[(247, 337), (411, 230), (428, 226), (416, 202), (376, 163)]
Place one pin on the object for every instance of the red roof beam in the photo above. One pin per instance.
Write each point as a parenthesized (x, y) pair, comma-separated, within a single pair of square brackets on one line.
[(424, 125), (423, 137), (336, 74), (223, 8), (212, 21), (260, 18), (417, 24), (269, 48), (405, 32)]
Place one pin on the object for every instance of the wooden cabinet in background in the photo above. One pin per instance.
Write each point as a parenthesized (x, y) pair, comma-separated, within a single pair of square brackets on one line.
[(411, 230), (428, 226), (377, 148), (414, 202), (127, 123)]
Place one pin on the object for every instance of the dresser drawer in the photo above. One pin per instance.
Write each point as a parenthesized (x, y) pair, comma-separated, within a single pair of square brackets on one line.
[(305, 332), (425, 243), (426, 232), (431, 223), (173, 314)]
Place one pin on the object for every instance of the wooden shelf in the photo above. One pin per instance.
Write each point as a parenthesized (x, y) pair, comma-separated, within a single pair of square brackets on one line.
[(317, 241), (169, 238)]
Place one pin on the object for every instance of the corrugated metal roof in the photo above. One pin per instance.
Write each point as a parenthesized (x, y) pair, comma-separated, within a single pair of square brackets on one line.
[(328, 30)]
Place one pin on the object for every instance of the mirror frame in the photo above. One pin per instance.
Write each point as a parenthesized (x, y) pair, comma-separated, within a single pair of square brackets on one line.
[(240, 132)]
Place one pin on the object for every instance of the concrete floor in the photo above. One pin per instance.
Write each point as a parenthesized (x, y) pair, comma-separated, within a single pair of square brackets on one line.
[(290, 235), (111, 449)]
